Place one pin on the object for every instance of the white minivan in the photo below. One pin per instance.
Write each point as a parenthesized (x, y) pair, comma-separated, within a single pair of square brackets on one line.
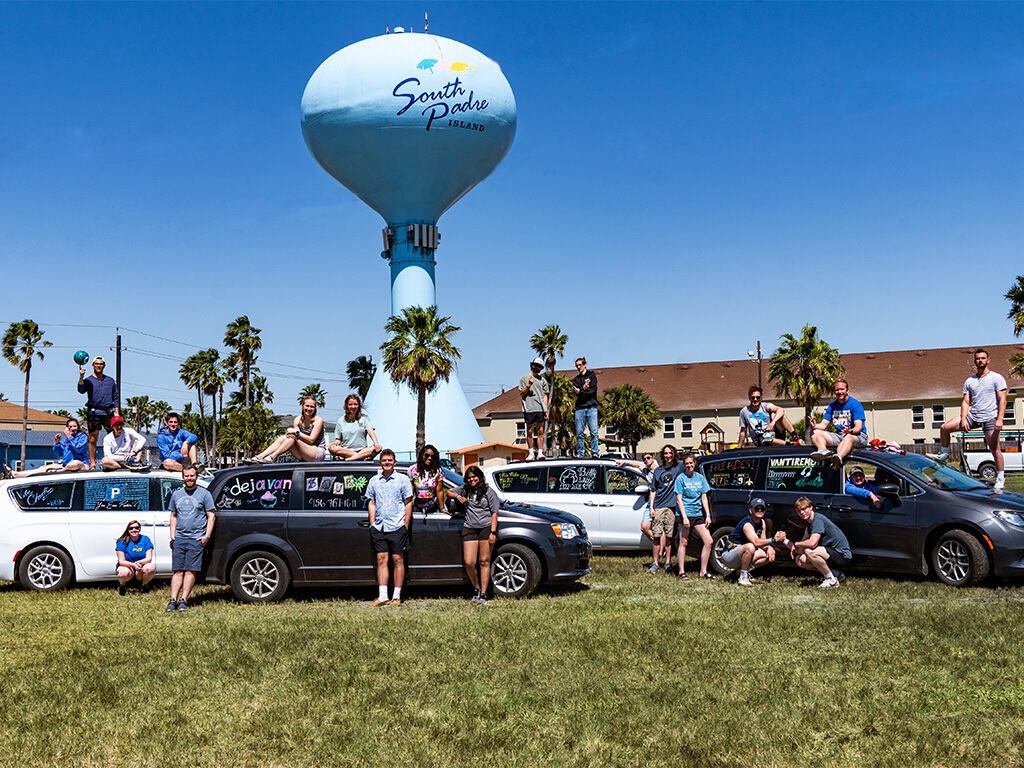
[(63, 526), (608, 498)]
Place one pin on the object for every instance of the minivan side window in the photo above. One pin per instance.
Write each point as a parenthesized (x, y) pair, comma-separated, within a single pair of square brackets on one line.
[(43, 497), (128, 493), (256, 490), (167, 489), (520, 480), (336, 490), (622, 482), (575, 478), (731, 473), (800, 474)]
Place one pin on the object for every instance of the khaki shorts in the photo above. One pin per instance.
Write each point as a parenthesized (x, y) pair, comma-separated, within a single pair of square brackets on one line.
[(663, 522)]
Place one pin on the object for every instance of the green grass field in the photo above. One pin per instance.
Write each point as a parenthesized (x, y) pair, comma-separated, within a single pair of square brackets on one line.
[(626, 669)]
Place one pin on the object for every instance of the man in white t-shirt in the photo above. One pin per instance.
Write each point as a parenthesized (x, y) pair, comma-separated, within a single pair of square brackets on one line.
[(982, 408), (122, 447)]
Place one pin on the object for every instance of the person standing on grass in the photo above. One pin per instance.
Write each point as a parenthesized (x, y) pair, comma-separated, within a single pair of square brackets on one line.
[(691, 489), (122, 448), (662, 501), (390, 504), (134, 558), (534, 392), (822, 548), (758, 421), (103, 402), (192, 518), (750, 543), (480, 530), (584, 384), (648, 466), (984, 406), (177, 446), (847, 416)]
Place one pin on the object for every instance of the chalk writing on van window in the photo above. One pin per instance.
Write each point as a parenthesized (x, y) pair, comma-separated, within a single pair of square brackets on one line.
[(338, 492), (44, 496), (519, 480), (731, 473), (796, 473), (262, 491), (574, 480), (119, 493)]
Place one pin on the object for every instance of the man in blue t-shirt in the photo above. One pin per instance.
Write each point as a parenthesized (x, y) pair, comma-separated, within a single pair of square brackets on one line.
[(822, 548), (192, 518), (177, 446), (847, 416)]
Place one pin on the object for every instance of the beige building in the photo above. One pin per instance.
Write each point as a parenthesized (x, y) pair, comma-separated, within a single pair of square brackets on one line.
[(906, 394)]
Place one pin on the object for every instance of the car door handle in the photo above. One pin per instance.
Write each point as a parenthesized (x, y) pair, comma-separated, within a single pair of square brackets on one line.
[(590, 504), (162, 525), (364, 523), (607, 504), (842, 508)]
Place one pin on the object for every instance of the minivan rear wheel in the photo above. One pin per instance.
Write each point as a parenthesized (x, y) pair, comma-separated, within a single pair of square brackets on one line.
[(959, 559), (45, 569), (259, 577), (717, 548), (515, 571)]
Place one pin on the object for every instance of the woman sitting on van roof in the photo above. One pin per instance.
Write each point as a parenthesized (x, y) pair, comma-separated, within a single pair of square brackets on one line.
[(71, 446), (304, 439), (353, 434)]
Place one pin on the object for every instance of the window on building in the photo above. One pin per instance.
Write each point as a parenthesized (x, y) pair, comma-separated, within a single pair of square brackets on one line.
[(1010, 417), (918, 441), (685, 426), (609, 431), (520, 431), (917, 416), (670, 427), (938, 415)]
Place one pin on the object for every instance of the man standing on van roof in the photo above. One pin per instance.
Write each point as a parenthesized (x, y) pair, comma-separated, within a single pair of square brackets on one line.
[(847, 416), (584, 384), (983, 406), (534, 392), (103, 402)]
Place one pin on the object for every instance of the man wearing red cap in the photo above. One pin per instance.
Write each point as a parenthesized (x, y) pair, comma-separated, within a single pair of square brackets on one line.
[(122, 447)]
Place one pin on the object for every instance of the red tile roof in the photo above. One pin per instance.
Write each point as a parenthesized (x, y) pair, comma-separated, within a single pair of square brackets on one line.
[(924, 374), (10, 412)]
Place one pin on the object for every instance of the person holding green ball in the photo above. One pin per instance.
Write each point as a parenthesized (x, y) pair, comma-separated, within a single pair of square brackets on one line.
[(104, 401)]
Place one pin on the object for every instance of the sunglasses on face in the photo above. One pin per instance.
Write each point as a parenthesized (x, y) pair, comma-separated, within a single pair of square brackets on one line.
[(135, 528), (755, 397), (759, 509)]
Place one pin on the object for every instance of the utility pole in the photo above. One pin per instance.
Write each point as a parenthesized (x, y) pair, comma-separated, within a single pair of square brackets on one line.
[(117, 358), (750, 354)]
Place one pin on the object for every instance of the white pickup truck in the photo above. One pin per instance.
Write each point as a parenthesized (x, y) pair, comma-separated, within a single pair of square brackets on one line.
[(979, 460)]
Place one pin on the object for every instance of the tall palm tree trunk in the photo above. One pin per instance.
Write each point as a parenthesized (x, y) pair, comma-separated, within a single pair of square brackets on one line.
[(213, 405), (549, 435), (421, 418), (24, 418), (245, 368), (808, 428), (202, 424)]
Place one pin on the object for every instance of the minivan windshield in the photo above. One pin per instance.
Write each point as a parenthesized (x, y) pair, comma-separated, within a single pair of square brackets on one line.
[(936, 475)]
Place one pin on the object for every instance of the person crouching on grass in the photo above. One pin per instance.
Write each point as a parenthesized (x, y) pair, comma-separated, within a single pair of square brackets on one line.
[(480, 530), (692, 499), (822, 548), (390, 504), (750, 543), (134, 558)]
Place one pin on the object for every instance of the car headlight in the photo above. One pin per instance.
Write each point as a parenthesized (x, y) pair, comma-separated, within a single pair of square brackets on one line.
[(565, 530), (1011, 518)]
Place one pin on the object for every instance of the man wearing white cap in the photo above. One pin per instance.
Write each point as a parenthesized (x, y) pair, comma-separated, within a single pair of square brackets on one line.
[(103, 403), (534, 392)]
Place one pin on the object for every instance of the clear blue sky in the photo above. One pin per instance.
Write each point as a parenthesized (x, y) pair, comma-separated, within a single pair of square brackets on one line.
[(686, 178)]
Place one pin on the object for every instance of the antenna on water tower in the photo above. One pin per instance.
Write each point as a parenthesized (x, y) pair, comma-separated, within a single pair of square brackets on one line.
[(426, 23)]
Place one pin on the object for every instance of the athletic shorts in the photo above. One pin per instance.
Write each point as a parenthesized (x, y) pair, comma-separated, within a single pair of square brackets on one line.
[(187, 554), (731, 557), (663, 522), (393, 542), (695, 521), (763, 439), (833, 439), (321, 454), (837, 559), (534, 417), (476, 534), (987, 425), (96, 420)]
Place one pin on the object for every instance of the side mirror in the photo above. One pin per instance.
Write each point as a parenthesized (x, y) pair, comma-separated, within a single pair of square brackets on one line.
[(455, 508), (642, 490), (889, 490)]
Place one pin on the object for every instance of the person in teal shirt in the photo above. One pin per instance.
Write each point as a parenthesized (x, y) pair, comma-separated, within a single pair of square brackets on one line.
[(353, 434), (692, 499)]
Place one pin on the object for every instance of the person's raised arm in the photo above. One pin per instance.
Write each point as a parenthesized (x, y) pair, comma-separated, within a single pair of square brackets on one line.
[(83, 387), (857, 428), (751, 533), (965, 407)]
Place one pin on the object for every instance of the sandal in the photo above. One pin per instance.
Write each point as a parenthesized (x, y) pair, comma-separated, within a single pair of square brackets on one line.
[(707, 575), (683, 576)]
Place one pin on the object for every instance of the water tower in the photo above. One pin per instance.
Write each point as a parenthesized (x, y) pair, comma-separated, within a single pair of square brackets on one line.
[(410, 123)]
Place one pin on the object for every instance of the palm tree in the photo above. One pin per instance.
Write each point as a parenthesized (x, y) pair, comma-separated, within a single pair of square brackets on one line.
[(159, 411), (1016, 298), (211, 374), (549, 343), (632, 412), (317, 392), (21, 343), (191, 373), (420, 354), (138, 412), (804, 369), (62, 412), (259, 393), (3, 397), (244, 340), (360, 373)]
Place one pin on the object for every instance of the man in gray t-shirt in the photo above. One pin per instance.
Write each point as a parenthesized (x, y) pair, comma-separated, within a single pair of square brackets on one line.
[(192, 517), (534, 392), (982, 408), (758, 421)]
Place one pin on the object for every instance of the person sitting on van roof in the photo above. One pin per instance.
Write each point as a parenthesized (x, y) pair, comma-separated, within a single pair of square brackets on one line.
[(71, 446), (177, 446)]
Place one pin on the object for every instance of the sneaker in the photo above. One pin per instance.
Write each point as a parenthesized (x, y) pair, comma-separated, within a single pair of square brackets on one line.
[(530, 455), (999, 485), (182, 605), (653, 568), (121, 589), (171, 606), (139, 468), (836, 462), (144, 589), (482, 600), (840, 576), (744, 580), (941, 457), (540, 456), (395, 601), (377, 602), (829, 582), (668, 568), (250, 460), (821, 454)]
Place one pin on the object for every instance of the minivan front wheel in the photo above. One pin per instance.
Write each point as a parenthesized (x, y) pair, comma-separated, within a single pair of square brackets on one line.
[(259, 577), (718, 541), (45, 569), (515, 571), (959, 559)]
